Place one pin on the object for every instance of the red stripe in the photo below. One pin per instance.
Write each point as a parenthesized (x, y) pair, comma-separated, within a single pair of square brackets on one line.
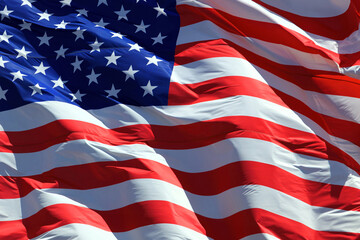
[(348, 60), (88, 176), (312, 80), (239, 225), (175, 137), (255, 173), (181, 94), (255, 220), (269, 32), (96, 175), (191, 52), (337, 27), (119, 220), (13, 230)]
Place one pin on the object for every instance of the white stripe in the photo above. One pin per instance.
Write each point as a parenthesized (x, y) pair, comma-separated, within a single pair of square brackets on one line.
[(112, 117), (260, 236), (346, 106), (349, 45), (102, 199), (76, 231), (218, 206), (71, 154), (341, 107), (175, 115), (353, 71), (312, 8), (282, 54), (246, 149), (153, 232), (123, 115), (191, 160), (45, 112)]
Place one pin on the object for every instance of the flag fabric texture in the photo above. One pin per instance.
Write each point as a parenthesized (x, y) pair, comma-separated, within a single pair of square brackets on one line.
[(187, 119)]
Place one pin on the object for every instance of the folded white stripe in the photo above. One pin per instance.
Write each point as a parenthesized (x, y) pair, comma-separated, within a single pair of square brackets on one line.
[(76, 231), (260, 236), (153, 232), (312, 8), (72, 153), (195, 160), (218, 206), (349, 45)]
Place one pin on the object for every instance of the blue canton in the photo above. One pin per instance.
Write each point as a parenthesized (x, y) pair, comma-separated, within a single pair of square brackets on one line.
[(92, 53)]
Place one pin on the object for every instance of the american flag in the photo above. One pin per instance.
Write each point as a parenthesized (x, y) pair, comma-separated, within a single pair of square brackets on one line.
[(187, 119)]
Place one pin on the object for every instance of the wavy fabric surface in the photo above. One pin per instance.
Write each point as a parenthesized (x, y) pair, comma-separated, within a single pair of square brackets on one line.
[(187, 119)]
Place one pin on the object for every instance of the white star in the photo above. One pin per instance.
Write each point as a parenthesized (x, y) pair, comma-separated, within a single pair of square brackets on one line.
[(61, 52), (101, 23), (77, 64), (93, 77), (22, 52), (130, 73), (119, 35), (158, 39), (122, 13), (18, 75), (2, 62), (138, 1), (58, 83), (61, 25), (161, 11), (79, 33), (65, 3), (5, 13), (2, 93), (36, 89), (113, 92), (112, 59), (134, 47), (45, 15), (82, 12), (102, 2), (41, 68), (76, 96), (44, 39), (27, 2), (96, 46), (141, 27), (153, 60), (5, 37), (25, 25), (148, 89)]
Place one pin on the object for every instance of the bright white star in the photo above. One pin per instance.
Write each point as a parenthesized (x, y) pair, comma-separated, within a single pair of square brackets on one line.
[(148, 89)]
